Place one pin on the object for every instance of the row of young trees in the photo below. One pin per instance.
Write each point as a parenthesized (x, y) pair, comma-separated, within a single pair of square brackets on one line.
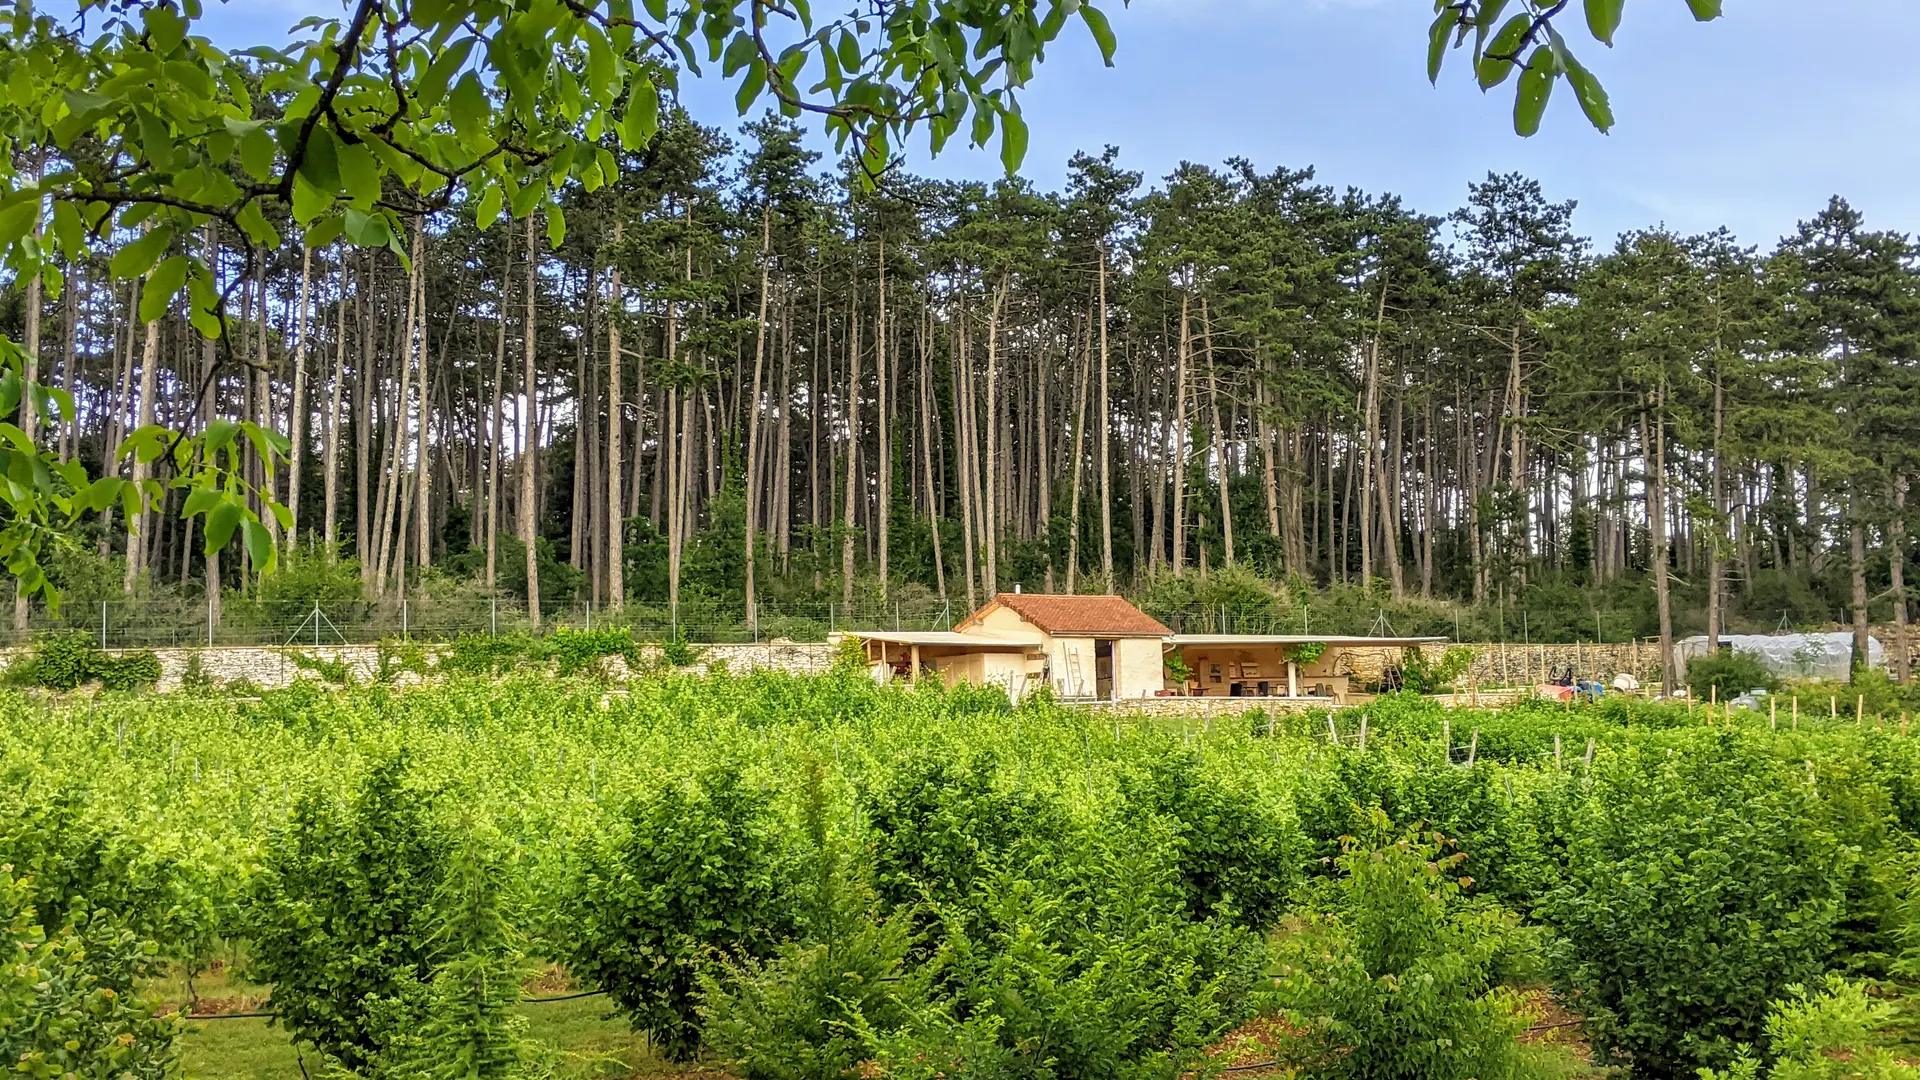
[(729, 373)]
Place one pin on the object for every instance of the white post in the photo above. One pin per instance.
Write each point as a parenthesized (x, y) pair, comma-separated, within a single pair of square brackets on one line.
[(1293, 679), (103, 625), (403, 618), (209, 624)]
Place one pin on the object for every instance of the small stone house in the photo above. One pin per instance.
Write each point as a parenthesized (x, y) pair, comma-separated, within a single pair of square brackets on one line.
[(1098, 648)]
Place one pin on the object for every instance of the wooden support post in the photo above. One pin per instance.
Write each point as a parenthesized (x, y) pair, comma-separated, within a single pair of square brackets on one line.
[(1773, 714), (1860, 709), (914, 674)]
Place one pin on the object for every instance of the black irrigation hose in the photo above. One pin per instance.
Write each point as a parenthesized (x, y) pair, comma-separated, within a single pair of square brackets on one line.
[(257, 1015)]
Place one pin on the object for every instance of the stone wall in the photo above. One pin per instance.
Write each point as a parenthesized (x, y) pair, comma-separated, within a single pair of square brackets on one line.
[(1521, 665), (1494, 665), (272, 668)]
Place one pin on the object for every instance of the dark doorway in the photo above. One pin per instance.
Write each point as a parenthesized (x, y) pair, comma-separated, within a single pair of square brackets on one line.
[(1103, 668)]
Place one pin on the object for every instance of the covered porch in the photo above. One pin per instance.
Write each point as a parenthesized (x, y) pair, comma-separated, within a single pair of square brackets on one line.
[(1282, 666), (975, 659)]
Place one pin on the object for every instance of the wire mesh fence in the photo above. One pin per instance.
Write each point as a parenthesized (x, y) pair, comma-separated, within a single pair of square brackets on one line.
[(239, 622), (173, 621)]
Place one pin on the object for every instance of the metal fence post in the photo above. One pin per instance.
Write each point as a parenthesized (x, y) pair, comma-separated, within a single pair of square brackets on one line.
[(403, 618), (103, 624), (493, 623), (209, 624)]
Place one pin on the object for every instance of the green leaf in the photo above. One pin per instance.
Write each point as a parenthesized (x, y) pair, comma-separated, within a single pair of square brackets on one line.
[(203, 301), (157, 291), (848, 53), (642, 119), (1592, 96), (257, 151), (68, 230), (323, 232), (254, 223), (1013, 140), (156, 140), (139, 256), (259, 544), (219, 435), (359, 174), (321, 165), (1496, 63), (367, 229), (750, 87), (1603, 18), (1704, 10), (221, 521), (200, 501), (1536, 85), (556, 226), (309, 201), (488, 211), (1101, 29), (469, 110), (1437, 36)]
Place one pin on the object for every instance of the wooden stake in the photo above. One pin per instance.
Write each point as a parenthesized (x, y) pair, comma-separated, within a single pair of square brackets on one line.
[(1860, 709), (1773, 714)]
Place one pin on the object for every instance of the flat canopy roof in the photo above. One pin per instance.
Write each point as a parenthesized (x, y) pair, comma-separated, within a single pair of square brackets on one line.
[(949, 638), (1301, 639)]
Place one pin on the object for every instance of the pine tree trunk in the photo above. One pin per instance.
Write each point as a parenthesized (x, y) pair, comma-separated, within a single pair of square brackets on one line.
[(848, 525), (296, 430), (1897, 578), (990, 527), (1177, 466), (1219, 437), (883, 462), (530, 434), (137, 525), (753, 420), (1106, 423), (1654, 452), (616, 414), (330, 466), (1077, 463)]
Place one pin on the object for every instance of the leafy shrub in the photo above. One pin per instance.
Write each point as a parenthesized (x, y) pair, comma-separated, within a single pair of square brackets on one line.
[(1235, 854), (335, 671), (194, 679), (941, 828), (69, 999), (1728, 673), (677, 652), (1085, 967), (1422, 677), (58, 662), (691, 876), (65, 661), (393, 656), (580, 650), (1699, 885), (810, 1013), (1400, 979), (342, 916), (1825, 1034), (487, 654), (130, 670), (469, 1027)]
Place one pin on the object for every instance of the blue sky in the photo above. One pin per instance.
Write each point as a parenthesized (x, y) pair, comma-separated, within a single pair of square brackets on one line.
[(1750, 122)]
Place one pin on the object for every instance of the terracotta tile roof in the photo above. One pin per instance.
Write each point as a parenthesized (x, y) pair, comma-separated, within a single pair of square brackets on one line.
[(1104, 616)]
